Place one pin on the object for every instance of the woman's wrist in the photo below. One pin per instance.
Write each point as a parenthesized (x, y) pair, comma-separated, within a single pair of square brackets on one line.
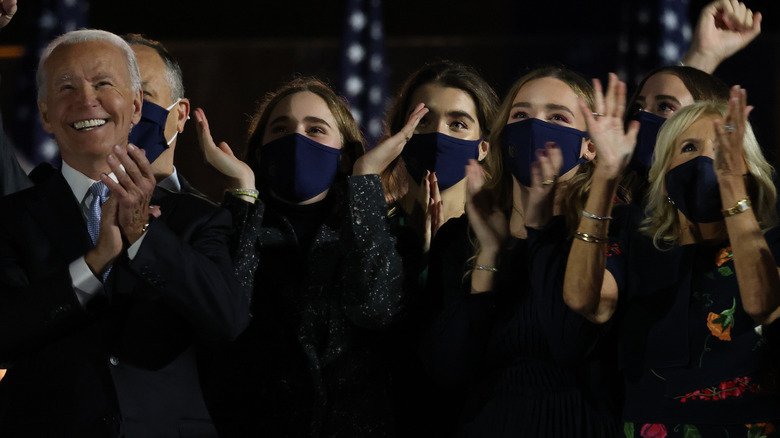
[(704, 61), (487, 259)]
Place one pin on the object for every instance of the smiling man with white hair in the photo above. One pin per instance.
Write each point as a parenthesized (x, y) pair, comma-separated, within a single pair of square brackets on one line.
[(105, 280)]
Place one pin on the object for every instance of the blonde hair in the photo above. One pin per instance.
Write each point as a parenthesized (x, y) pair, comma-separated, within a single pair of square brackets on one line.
[(501, 182), (662, 223)]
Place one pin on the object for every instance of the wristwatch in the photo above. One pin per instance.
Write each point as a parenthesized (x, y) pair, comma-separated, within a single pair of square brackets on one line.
[(741, 206)]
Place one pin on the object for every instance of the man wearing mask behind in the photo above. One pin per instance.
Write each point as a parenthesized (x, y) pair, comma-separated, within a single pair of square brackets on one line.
[(164, 112)]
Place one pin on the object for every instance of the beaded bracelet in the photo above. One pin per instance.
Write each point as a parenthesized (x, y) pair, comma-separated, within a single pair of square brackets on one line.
[(485, 268), (593, 216), (252, 193), (585, 237)]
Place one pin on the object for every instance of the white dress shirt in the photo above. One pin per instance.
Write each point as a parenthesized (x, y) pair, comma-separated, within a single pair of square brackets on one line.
[(85, 284)]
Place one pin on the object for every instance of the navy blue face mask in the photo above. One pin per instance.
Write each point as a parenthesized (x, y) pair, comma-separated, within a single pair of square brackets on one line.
[(149, 133), (693, 188), (649, 125), (297, 168), (522, 139), (445, 155)]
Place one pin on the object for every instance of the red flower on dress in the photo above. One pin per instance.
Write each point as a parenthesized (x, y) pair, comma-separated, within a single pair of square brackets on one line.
[(653, 431), (613, 249), (731, 388)]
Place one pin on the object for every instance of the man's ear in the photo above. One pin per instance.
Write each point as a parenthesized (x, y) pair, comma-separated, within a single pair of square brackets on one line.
[(588, 149), (138, 101), (183, 109), (484, 148), (43, 112)]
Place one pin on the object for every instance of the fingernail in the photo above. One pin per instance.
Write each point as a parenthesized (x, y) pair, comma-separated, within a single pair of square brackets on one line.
[(110, 158), (130, 147), (118, 148)]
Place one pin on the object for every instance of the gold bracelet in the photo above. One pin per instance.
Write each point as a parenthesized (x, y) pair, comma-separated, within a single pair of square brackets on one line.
[(741, 206), (485, 268), (585, 237), (252, 193)]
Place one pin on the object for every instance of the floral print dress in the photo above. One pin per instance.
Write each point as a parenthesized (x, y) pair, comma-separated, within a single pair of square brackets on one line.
[(694, 363)]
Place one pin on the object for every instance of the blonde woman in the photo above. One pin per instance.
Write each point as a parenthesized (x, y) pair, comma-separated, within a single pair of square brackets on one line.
[(691, 283)]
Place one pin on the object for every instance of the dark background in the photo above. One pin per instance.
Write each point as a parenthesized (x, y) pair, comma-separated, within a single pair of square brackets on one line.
[(232, 52)]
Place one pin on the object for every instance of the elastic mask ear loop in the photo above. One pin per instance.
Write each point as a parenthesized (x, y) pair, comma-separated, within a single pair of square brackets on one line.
[(176, 134), (173, 105)]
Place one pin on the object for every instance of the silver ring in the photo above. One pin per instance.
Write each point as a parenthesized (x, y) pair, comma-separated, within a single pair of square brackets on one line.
[(728, 128)]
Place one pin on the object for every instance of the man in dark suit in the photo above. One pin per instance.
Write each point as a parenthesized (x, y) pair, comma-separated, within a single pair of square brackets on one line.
[(98, 314)]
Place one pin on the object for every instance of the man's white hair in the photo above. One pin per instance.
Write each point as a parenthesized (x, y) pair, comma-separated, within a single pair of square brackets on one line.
[(82, 36)]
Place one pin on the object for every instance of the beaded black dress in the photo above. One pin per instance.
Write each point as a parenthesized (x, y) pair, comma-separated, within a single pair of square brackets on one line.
[(328, 280)]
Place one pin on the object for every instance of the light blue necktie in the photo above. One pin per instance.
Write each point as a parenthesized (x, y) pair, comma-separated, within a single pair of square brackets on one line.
[(99, 193)]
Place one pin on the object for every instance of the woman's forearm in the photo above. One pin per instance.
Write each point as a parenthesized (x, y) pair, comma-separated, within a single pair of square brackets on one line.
[(583, 287)]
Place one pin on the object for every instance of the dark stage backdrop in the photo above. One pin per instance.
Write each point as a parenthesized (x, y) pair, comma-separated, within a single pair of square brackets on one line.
[(233, 53)]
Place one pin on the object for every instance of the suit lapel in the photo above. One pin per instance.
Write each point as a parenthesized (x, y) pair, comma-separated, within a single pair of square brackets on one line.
[(58, 214)]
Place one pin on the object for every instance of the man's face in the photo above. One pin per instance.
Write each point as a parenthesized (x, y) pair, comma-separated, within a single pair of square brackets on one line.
[(154, 85), (90, 105)]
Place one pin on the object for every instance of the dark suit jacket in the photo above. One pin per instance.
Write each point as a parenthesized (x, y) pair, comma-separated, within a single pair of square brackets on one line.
[(125, 365), (12, 176)]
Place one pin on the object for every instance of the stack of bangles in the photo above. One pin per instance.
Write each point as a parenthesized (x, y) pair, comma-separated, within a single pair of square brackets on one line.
[(585, 237)]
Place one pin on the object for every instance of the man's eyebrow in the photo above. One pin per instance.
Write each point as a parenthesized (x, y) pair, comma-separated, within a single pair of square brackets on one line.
[(63, 78)]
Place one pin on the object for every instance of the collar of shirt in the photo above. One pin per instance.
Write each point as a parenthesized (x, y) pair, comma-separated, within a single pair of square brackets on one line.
[(78, 182)]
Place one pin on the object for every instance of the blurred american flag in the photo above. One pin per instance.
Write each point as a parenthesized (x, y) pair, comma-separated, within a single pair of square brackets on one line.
[(653, 34), (364, 66), (51, 19)]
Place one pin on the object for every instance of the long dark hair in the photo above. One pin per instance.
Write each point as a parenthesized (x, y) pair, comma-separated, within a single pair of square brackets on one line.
[(447, 74), (701, 85)]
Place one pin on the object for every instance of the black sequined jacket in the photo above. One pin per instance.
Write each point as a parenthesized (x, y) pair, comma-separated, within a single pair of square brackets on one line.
[(309, 364)]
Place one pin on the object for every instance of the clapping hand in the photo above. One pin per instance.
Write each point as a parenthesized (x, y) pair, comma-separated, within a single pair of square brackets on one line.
[(221, 157), (489, 223), (431, 205), (614, 145), (544, 176), (730, 135), (132, 191)]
